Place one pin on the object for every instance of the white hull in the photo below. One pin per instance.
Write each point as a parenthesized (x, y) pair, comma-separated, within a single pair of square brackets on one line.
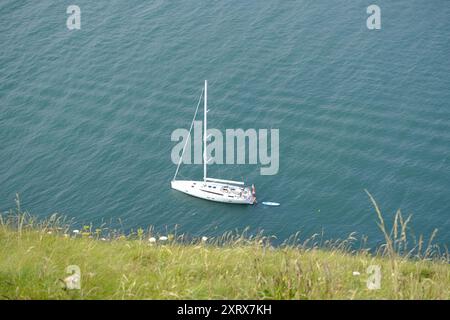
[(214, 191)]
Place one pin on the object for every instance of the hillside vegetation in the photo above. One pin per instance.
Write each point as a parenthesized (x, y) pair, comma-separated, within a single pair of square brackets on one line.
[(37, 259)]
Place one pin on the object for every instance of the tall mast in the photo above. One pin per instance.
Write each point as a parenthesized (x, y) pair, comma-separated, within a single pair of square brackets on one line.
[(204, 130)]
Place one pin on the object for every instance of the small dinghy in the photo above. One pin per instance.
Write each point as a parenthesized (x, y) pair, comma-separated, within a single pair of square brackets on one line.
[(269, 203)]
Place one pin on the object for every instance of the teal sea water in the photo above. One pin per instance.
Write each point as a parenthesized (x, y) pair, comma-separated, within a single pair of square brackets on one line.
[(86, 115)]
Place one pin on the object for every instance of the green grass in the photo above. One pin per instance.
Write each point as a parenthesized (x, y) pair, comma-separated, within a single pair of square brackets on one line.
[(34, 257)]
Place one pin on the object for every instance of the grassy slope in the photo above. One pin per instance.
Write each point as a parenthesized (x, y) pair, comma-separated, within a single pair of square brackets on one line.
[(32, 261)]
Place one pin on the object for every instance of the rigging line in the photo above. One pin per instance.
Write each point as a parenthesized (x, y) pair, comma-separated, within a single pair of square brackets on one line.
[(188, 137), (213, 82)]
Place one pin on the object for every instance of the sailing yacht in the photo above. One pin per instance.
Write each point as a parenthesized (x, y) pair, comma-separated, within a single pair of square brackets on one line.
[(219, 190)]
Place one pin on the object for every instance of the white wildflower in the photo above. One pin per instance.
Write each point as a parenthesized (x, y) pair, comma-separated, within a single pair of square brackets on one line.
[(72, 282)]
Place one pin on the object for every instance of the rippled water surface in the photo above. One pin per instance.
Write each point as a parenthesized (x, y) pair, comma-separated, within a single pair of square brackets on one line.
[(86, 115)]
